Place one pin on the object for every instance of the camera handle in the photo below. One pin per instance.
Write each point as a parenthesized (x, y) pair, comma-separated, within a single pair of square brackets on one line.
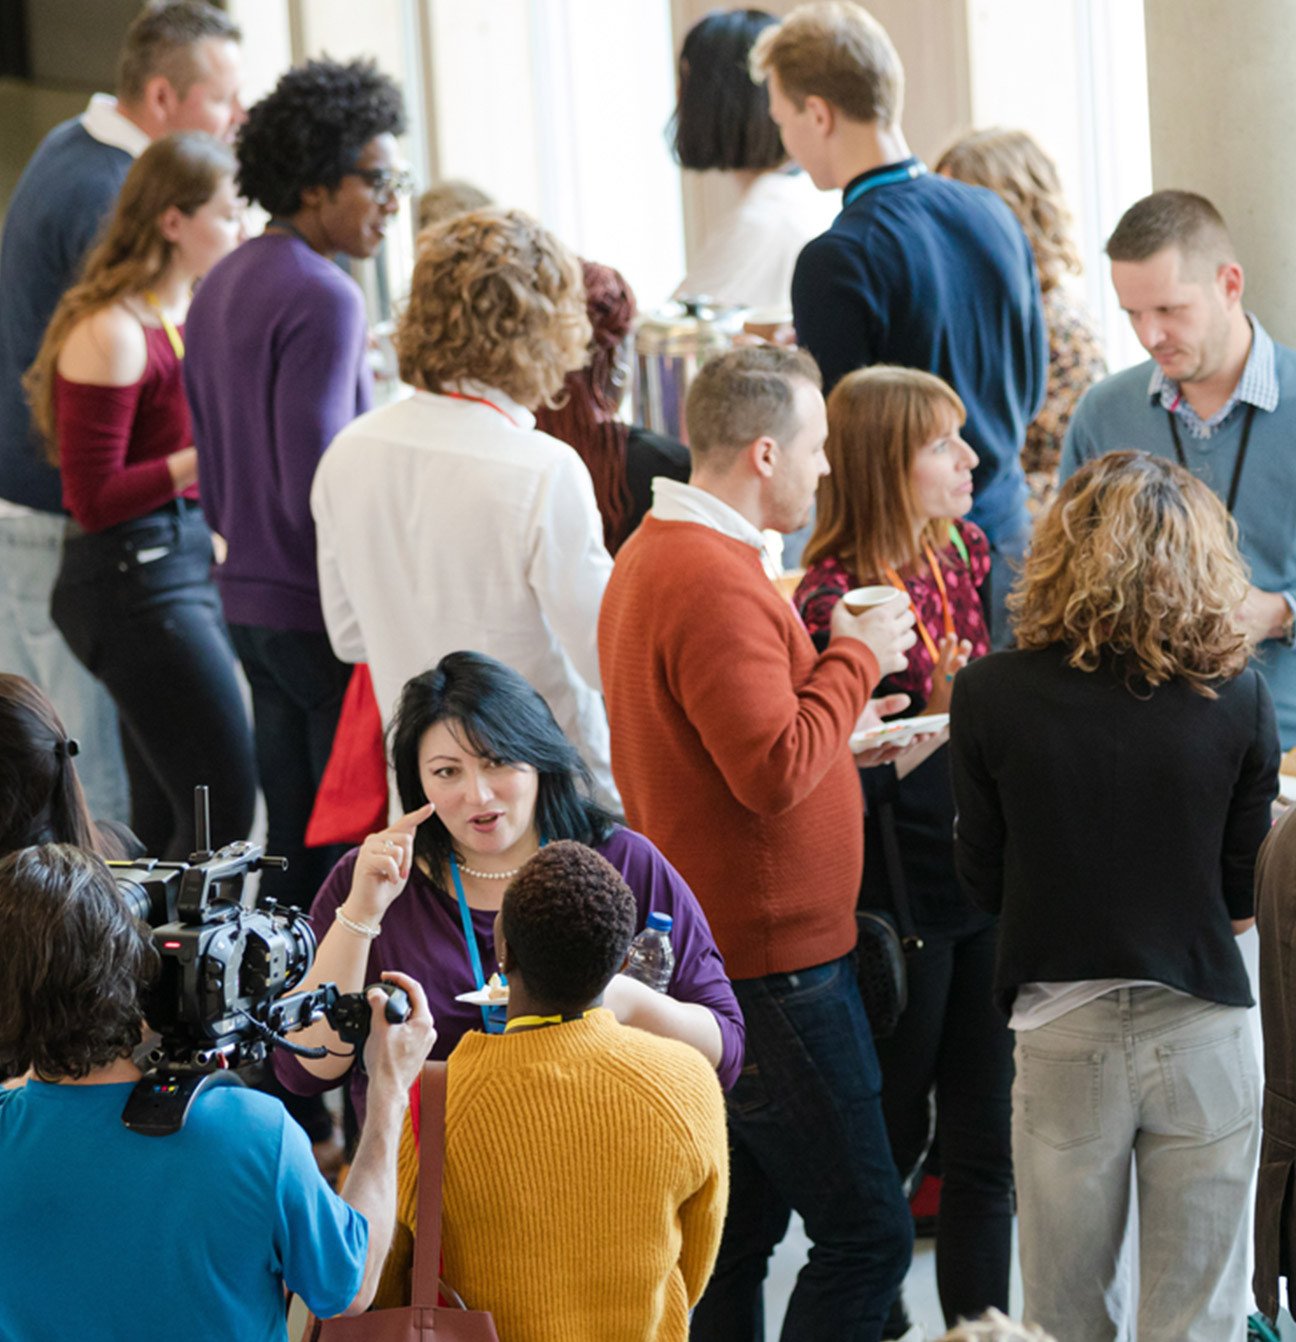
[(159, 1104)]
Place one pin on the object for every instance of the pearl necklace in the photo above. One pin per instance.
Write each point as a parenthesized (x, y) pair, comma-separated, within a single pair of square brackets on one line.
[(488, 875)]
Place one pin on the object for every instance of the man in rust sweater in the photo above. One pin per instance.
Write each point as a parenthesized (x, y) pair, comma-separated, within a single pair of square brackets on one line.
[(730, 750)]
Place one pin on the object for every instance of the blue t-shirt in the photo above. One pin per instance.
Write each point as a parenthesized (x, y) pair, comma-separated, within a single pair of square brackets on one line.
[(116, 1235)]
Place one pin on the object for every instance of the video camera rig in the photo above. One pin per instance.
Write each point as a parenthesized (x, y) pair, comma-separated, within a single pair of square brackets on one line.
[(227, 960)]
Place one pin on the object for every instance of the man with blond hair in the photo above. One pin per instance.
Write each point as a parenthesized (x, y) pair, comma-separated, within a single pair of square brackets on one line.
[(917, 269), (179, 70)]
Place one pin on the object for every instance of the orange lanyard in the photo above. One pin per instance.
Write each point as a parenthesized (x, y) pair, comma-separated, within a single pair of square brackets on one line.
[(947, 616)]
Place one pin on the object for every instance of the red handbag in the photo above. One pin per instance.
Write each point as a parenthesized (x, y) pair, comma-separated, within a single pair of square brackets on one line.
[(351, 801), (422, 1320)]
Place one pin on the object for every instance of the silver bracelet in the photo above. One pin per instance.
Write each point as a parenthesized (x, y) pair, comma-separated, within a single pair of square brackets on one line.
[(360, 929)]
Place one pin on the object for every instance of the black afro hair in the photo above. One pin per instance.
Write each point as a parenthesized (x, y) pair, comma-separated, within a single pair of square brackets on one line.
[(310, 129)]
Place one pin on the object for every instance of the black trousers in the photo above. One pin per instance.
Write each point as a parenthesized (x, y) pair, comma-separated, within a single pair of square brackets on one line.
[(954, 1039), (137, 606), (297, 691)]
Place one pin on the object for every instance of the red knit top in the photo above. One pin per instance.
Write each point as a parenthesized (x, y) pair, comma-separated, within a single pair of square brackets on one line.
[(729, 743), (114, 441)]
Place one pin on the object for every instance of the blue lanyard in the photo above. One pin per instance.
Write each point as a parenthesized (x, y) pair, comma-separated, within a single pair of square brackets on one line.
[(905, 174), (492, 1016)]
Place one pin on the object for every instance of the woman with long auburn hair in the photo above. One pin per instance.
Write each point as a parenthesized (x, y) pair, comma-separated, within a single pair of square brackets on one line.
[(1114, 776), (134, 596), (892, 512), (623, 459)]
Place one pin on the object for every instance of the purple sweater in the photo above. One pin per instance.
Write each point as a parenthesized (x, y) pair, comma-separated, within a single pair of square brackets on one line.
[(423, 937), (275, 366)]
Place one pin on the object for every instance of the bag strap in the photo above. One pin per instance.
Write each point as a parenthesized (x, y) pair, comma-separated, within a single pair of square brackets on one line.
[(909, 937), (427, 1241)]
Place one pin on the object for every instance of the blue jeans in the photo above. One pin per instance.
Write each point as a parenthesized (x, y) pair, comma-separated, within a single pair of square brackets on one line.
[(31, 547), (806, 1134), (952, 1037), (297, 689), (1007, 553)]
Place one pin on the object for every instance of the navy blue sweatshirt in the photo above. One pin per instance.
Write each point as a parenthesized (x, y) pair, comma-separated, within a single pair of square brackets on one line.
[(62, 199), (935, 274)]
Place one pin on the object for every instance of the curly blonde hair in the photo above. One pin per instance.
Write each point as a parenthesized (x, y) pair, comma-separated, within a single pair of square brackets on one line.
[(496, 299), (1138, 558), (1016, 169)]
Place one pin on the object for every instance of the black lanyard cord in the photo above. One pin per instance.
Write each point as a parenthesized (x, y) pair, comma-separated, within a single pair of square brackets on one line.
[(1241, 456)]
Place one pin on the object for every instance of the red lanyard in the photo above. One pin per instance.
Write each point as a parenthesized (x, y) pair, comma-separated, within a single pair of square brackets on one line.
[(481, 400), (897, 582)]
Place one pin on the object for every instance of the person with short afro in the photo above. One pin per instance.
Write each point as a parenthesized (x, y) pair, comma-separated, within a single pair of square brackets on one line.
[(275, 365), (567, 1089)]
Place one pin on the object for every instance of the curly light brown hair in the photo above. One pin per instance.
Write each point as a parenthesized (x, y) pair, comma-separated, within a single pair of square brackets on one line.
[(495, 299), (1137, 558), (1018, 170)]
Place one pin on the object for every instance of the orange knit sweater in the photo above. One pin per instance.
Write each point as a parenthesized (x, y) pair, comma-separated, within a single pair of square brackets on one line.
[(586, 1180), (729, 743)]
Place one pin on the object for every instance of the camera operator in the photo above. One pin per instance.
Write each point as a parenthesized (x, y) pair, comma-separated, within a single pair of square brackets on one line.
[(122, 1236)]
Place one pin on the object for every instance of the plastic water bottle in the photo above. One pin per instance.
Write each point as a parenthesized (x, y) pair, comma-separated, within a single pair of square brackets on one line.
[(651, 958)]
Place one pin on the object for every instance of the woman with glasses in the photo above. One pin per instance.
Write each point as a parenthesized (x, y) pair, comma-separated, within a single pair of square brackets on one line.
[(276, 367)]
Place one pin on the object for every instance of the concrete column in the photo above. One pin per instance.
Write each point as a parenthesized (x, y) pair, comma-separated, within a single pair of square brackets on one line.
[(1222, 102)]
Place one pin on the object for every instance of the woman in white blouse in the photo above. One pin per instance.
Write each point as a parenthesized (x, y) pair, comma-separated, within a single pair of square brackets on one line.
[(447, 521), (722, 124)]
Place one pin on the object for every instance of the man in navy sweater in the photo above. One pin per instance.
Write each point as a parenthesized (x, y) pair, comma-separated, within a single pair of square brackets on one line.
[(179, 71), (917, 269)]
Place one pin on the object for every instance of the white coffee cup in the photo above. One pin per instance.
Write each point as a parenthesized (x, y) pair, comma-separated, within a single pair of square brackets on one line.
[(860, 599)]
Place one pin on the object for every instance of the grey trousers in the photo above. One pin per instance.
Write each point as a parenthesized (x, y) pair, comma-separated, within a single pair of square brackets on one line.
[(1166, 1085)]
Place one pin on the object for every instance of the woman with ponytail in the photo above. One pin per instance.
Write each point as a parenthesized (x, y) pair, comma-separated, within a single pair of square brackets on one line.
[(134, 597), (622, 459), (40, 795)]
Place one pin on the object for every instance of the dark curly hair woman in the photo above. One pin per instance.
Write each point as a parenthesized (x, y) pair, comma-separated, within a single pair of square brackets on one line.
[(275, 367)]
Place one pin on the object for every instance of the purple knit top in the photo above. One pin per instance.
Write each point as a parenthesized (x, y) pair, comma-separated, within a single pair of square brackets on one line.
[(423, 937)]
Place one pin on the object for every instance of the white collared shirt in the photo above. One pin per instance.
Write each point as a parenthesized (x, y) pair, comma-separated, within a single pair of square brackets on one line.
[(103, 121), (676, 502)]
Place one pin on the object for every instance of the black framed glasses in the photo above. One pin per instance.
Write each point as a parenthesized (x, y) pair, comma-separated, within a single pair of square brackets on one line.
[(387, 184)]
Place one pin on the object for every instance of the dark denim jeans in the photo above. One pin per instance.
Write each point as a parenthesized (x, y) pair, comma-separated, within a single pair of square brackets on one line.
[(297, 689), (806, 1134), (137, 606), (954, 1038)]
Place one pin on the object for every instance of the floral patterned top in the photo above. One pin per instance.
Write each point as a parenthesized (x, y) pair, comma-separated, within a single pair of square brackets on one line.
[(827, 580), (1076, 362)]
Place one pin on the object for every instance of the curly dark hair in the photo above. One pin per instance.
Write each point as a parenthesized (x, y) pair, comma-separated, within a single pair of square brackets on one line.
[(310, 129), (500, 715), (74, 967), (567, 919)]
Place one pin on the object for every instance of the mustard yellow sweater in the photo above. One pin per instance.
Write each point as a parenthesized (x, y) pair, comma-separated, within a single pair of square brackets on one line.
[(586, 1182)]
